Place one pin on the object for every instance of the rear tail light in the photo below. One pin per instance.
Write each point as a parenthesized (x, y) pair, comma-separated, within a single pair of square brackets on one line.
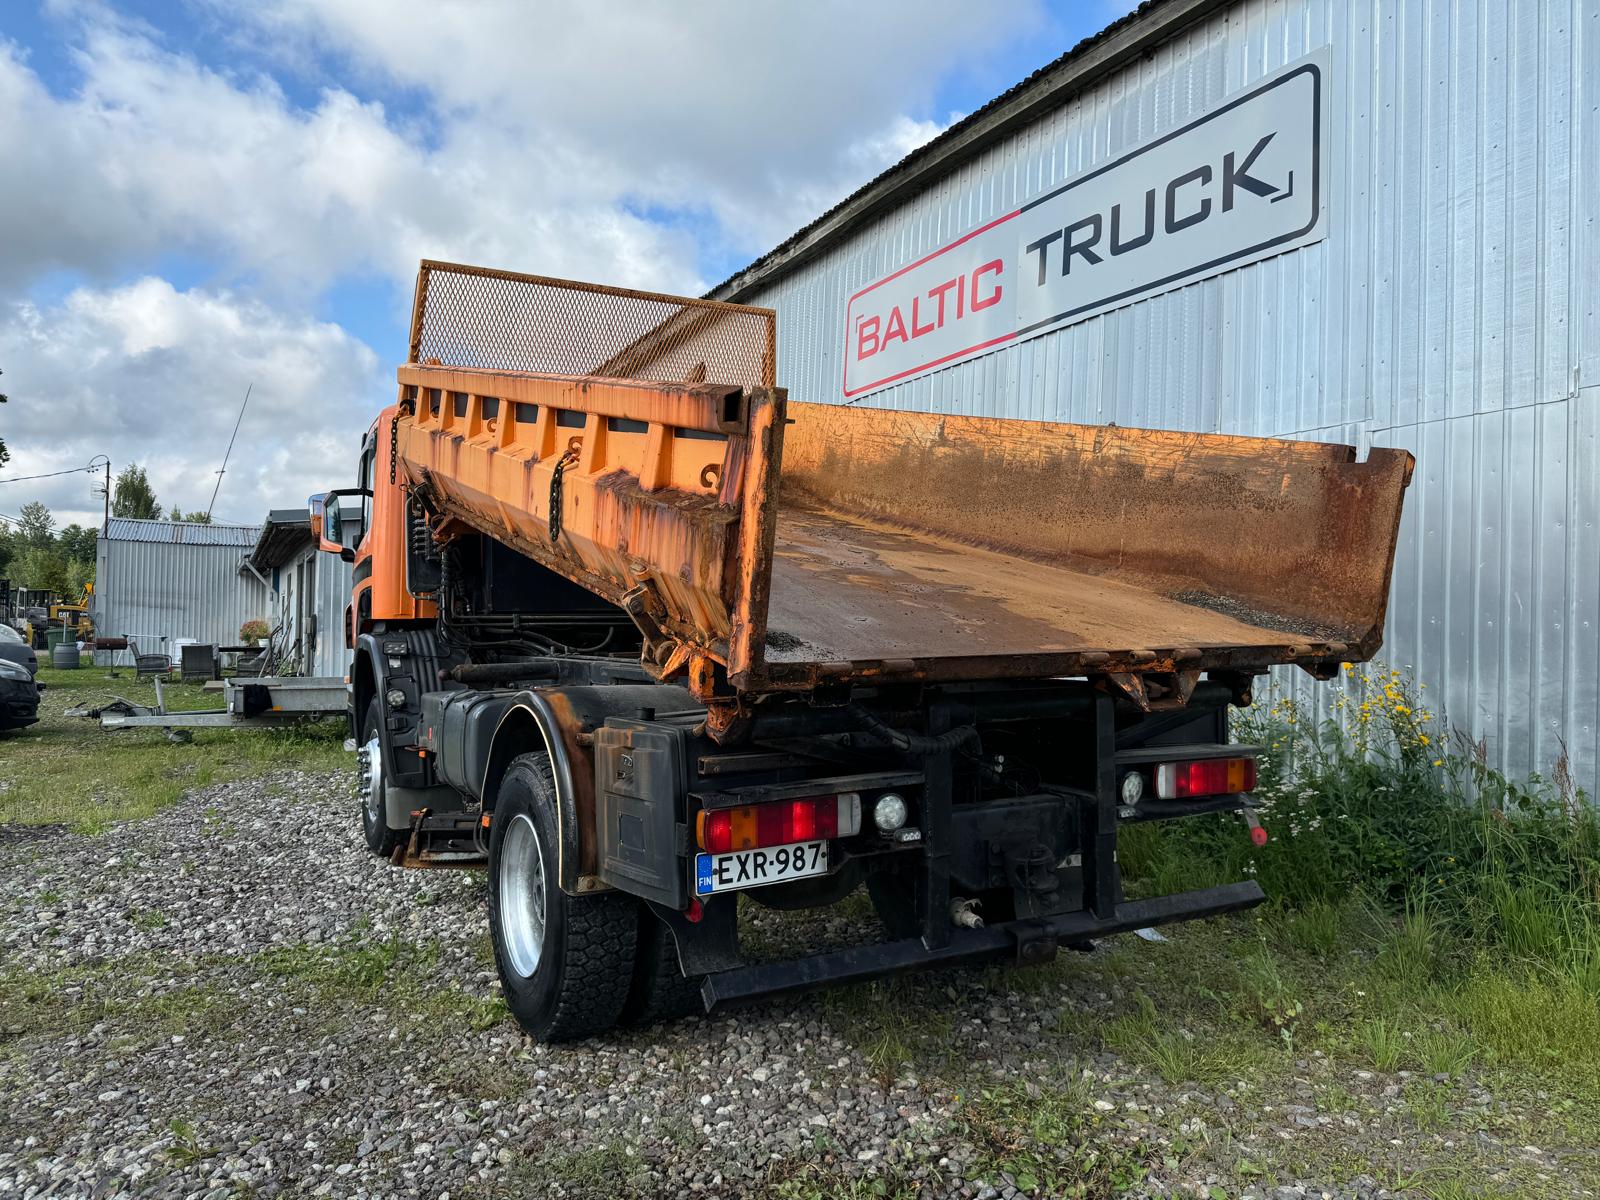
[(1205, 777), (779, 822)]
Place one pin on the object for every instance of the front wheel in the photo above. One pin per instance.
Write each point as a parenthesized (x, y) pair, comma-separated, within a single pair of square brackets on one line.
[(381, 840), (566, 963)]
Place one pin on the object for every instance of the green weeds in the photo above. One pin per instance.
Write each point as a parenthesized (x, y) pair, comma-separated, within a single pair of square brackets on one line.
[(395, 975), (1470, 902), (892, 1025), (1152, 1039), (1047, 1141), (186, 1148)]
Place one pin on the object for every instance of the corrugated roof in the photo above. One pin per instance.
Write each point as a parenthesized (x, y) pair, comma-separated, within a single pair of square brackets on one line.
[(190, 533), (287, 530), (997, 119)]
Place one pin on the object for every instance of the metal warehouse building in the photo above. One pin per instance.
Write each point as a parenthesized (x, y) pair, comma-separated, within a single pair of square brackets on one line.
[(158, 581), (1363, 221)]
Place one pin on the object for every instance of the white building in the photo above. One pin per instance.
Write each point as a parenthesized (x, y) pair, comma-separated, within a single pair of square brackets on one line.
[(307, 593), (1369, 221), (163, 582)]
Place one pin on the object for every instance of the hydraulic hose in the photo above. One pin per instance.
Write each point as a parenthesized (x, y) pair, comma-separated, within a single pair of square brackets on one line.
[(917, 744)]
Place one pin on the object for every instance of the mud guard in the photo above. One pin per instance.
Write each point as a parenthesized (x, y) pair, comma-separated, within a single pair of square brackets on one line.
[(559, 721)]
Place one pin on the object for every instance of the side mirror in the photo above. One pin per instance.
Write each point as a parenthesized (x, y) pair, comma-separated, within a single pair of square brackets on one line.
[(325, 524), (336, 533)]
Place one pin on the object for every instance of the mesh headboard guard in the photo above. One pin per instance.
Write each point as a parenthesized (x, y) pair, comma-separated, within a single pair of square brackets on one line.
[(483, 319)]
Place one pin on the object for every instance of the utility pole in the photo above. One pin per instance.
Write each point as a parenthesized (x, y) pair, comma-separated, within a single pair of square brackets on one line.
[(107, 521)]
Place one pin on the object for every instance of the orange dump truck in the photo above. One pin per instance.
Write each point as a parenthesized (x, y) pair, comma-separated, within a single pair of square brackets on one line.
[(645, 635)]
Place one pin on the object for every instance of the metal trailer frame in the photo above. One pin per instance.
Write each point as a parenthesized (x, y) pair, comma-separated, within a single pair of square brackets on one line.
[(263, 703)]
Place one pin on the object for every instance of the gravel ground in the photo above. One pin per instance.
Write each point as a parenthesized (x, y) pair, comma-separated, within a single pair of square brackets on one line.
[(233, 999)]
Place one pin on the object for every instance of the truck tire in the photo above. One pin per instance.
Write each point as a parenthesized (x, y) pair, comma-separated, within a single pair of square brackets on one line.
[(660, 991), (381, 840), (566, 963)]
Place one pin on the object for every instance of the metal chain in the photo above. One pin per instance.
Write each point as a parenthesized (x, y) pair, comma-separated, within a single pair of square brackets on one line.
[(562, 463), (394, 442)]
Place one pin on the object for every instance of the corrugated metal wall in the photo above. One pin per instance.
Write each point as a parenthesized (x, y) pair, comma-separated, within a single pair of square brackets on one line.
[(330, 597), (313, 583), (1454, 310), (150, 585)]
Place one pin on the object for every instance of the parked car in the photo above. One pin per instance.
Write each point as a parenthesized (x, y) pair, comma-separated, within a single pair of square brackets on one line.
[(19, 693), (19, 696), (14, 648)]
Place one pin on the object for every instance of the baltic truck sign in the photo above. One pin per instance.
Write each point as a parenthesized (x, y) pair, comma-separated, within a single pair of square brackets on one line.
[(1241, 182)]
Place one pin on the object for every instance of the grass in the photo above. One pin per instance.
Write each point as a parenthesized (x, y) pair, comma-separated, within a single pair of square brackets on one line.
[(817, 1181), (66, 770), (1474, 898), (1052, 1142), (608, 1169), (137, 998), (186, 1148), (1177, 1055), (395, 974), (131, 993), (1384, 1041), (892, 1025), (1461, 1189), (611, 1170)]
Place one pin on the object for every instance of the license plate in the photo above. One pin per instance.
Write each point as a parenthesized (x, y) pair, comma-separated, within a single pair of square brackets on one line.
[(756, 868)]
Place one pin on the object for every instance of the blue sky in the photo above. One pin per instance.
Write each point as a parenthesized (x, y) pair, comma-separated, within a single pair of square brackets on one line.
[(206, 194)]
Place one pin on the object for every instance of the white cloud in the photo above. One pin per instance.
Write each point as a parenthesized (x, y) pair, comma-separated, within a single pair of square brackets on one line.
[(146, 373), (548, 131), (157, 154), (868, 156), (747, 109), (542, 137)]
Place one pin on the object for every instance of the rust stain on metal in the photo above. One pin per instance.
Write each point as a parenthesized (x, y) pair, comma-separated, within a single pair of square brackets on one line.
[(571, 730), (1036, 546)]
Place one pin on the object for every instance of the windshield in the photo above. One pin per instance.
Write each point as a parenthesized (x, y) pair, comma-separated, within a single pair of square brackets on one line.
[(357, 510), (8, 634)]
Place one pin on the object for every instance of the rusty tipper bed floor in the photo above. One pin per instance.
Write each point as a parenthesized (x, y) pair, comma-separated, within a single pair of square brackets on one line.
[(847, 590)]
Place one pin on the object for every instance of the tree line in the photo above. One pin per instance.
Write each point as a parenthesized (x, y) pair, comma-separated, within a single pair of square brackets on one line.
[(35, 554)]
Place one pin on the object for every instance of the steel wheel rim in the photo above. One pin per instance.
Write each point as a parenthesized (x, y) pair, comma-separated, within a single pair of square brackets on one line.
[(372, 781), (522, 912)]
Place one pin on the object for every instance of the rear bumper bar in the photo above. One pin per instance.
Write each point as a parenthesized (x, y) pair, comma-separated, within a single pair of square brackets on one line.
[(1025, 941)]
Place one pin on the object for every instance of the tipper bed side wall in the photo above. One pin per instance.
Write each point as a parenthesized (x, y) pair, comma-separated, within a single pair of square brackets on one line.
[(1297, 531)]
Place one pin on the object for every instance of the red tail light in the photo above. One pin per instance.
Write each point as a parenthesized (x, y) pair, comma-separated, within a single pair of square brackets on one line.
[(1205, 777), (779, 822)]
